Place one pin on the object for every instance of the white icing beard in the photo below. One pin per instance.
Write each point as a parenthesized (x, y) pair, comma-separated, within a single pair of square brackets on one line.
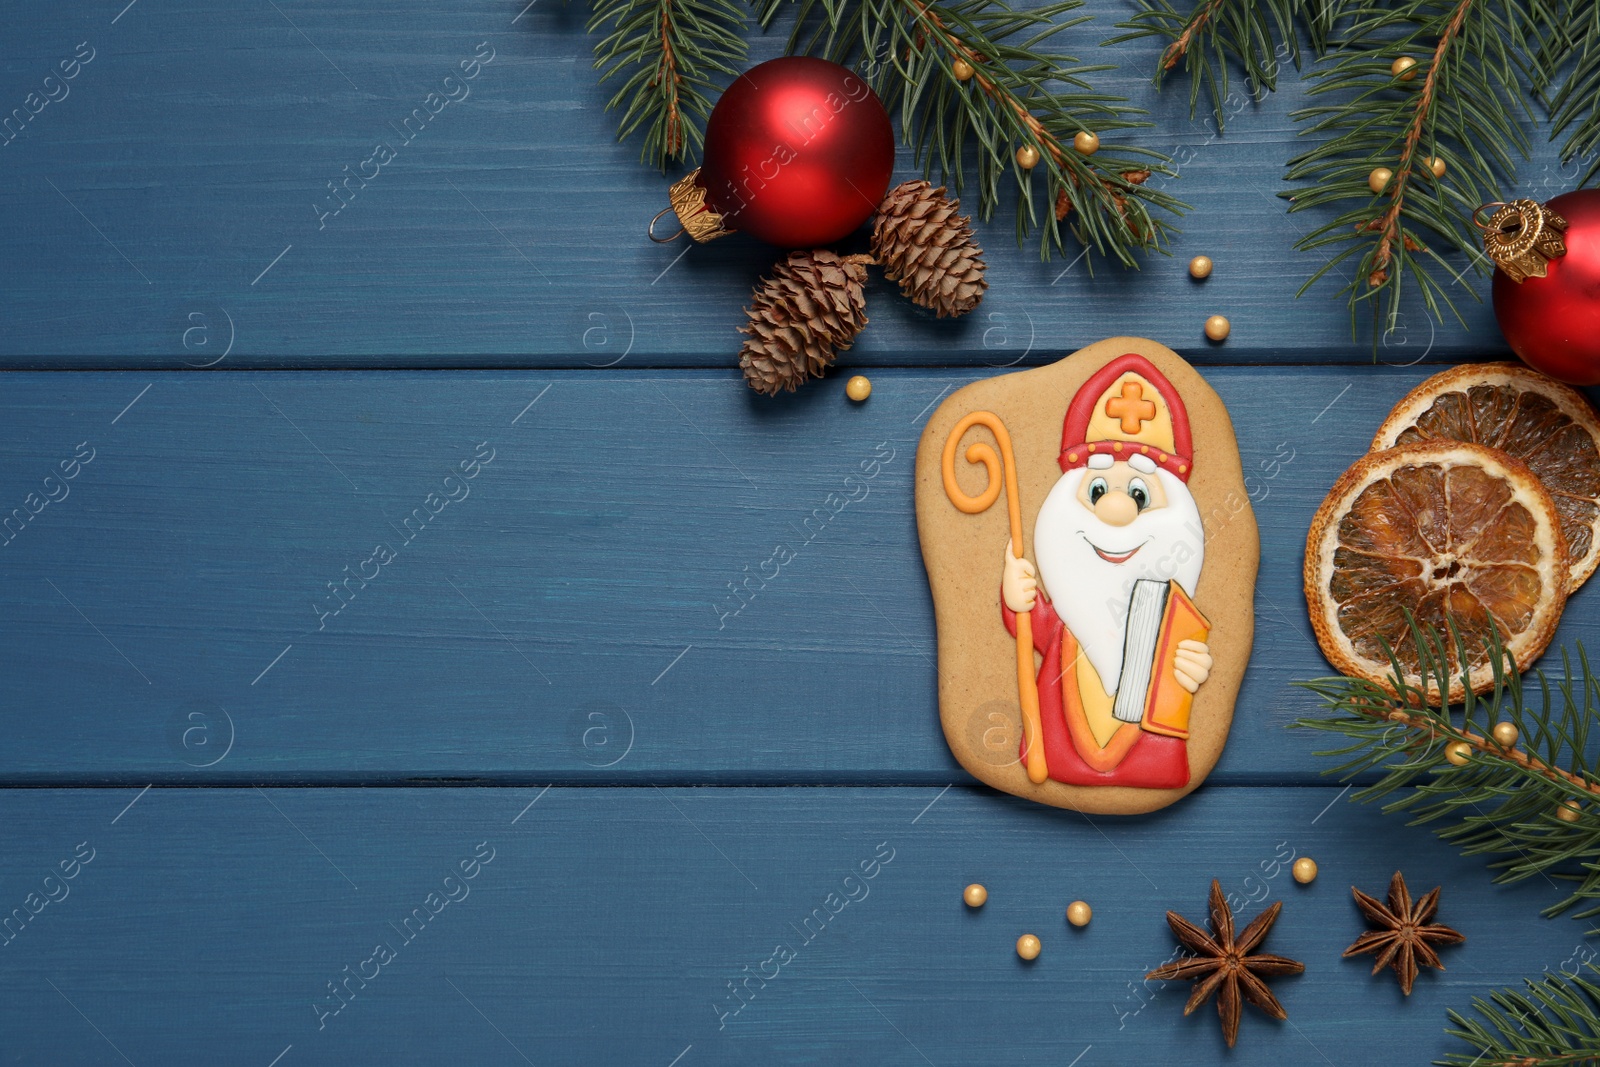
[(1091, 594)]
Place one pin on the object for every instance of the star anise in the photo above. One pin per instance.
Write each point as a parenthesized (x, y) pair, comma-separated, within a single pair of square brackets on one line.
[(1223, 964), (1402, 934)]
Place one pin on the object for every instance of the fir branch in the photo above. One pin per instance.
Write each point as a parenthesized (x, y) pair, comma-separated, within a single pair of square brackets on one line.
[(672, 49), (1553, 1022), (1217, 34), (1512, 804), (1022, 92), (1459, 108), (1575, 107)]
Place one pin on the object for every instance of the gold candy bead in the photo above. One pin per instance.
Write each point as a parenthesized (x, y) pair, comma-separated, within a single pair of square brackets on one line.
[(1567, 810), (1028, 947), (1086, 143), (1505, 734), (1458, 752), (1200, 267), (1079, 913), (1436, 165), (1217, 328), (1379, 179), (1404, 68), (975, 895), (1027, 157), (858, 388), (1304, 870), (963, 70)]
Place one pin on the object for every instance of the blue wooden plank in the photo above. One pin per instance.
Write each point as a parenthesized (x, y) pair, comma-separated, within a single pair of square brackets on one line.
[(566, 617), (164, 211), (570, 616), (609, 924)]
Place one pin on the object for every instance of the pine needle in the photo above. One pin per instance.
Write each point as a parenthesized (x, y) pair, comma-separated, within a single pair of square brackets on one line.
[(1023, 91), (1460, 106), (1571, 41), (1553, 1022), (667, 53), (1503, 803), (1256, 35)]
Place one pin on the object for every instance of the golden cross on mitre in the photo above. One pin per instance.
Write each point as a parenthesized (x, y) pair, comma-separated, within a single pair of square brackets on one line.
[(1131, 407)]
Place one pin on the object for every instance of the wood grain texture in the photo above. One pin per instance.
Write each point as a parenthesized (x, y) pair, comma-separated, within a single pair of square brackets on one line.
[(576, 600), (191, 152), (568, 616), (609, 922)]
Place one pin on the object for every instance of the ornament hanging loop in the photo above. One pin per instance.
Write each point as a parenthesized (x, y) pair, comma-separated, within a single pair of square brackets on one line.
[(651, 231), (1477, 214), (1522, 237)]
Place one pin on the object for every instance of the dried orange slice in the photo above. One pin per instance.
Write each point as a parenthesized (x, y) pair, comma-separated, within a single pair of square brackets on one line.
[(1457, 534), (1547, 425)]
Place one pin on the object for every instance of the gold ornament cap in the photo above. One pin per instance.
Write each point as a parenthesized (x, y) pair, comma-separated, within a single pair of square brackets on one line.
[(695, 217), (1522, 237)]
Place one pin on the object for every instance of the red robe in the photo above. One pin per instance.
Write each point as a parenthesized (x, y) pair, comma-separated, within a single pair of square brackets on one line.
[(1133, 756)]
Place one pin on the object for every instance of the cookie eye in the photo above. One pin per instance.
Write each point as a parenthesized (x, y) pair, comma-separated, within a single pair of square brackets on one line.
[(1138, 490), (1097, 489)]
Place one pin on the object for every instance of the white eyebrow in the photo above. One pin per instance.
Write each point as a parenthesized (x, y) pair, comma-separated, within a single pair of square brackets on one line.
[(1142, 463), (1100, 461)]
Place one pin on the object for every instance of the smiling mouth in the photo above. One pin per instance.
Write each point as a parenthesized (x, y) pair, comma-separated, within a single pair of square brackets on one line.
[(1113, 557)]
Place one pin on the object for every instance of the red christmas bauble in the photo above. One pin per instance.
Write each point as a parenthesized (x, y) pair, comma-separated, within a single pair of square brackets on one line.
[(1553, 323), (798, 152)]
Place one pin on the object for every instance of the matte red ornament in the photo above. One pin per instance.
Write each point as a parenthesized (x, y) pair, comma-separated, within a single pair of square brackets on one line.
[(1551, 322), (798, 152)]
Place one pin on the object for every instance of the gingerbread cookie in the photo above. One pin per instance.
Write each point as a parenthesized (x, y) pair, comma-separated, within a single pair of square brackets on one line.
[(1092, 553)]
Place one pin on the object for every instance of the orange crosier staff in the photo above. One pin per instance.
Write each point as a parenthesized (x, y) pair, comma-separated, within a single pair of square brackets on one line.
[(980, 452)]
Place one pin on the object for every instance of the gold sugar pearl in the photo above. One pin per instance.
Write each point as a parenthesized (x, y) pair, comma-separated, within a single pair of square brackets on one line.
[(1027, 157), (1458, 752), (975, 895), (858, 388), (963, 70), (1217, 328), (1404, 68), (1028, 947), (1086, 143), (1505, 734), (1436, 165), (1200, 267), (1568, 810), (1079, 913), (1304, 870), (1379, 179)]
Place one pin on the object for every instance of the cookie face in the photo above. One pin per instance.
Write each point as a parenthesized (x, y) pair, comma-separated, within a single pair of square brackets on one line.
[(1092, 554)]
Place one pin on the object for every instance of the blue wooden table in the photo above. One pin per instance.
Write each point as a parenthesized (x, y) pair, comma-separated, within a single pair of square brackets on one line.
[(533, 787)]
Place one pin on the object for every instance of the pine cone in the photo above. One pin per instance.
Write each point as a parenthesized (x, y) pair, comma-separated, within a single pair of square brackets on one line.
[(810, 309), (928, 248)]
